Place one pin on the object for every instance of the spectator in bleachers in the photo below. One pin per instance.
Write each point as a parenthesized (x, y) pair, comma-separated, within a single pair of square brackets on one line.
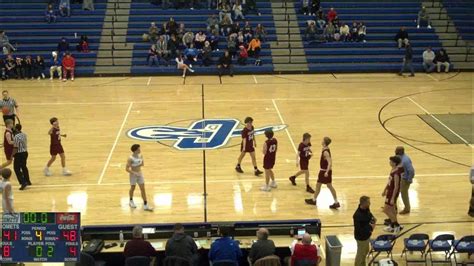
[(63, 46), (182, 245), (254, 50), (20, 68), (225, 11), (232, 44), (241, 39), (251, 5), (5, 44), (56, 66), (361, 32), (263, 247), (260, 32), (88, 5), (39, 66), (69, 64), (332, 14), (428, 60), (336, 22), (355, 32), (180, 32), (235, 28), (162, 50), (206, 54), (402, 37), (28, 67), (225, 63), (407, 60), (306, 250), (226, 24), (191, 54), (152, 57), (188, 39), (243, 55), (199, 40), (315, 6), (172, 26), (423, 17), (10, 67), (320, 20), (214, 42), (64, 8), (305, 6), (238, 10), (212, 24), (311, 31), (137, 246), (153, 32), (83, 45), (329, 32), (50, 14), (247, 31), (180, 64), (211, 4), (345, 32), (173, 46), (442, 59), (3, 69), (225, 248)]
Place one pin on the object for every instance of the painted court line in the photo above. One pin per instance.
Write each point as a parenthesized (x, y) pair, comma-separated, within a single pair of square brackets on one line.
[(149, 81), (255, 79), (232, 180), (119, 133), (433, 78), (439, 121), (283, 122)]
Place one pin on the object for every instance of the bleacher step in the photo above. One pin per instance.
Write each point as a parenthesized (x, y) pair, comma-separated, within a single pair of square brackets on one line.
[(109, 70), (290, 67)]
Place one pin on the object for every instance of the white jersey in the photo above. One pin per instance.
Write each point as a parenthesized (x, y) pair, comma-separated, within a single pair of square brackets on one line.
[(135, 162), (3, 184)]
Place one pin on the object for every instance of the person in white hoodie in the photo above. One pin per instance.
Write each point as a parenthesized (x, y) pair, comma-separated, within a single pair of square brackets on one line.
[(428, 58)]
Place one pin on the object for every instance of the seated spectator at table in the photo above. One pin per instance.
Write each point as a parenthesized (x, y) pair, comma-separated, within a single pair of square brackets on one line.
[(407, 60), (305, 6), (332, 14), (206, 54), (88, 5), (311, 31), (442, 59), (64, 8), (63, 46), (225, 11), (138, 246), (225, 248), (243, 55), (162, 50), (254, 50), (260, 32), (56, 66), (28, 65), (212, 23), (361, 32), (20, 67), (320, 20), (199, 40), (345, 33), (191, 54), (152, 57), (428, 60), (248, 31), (153, 32), (10, 67), (306, 250), (314, 7), (225, 26), (180, 64), (50, 14), (173, 46), (238, 10), (423, 17), (3, 70), (182, 245), (402, 37), (69, 64), (39, 66), (83, 45), (251, 5), (5, 44), (263, 247), (329, 32), (188, 39)]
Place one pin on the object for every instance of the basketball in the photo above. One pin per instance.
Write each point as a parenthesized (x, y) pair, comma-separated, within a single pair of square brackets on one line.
[(5, 110)]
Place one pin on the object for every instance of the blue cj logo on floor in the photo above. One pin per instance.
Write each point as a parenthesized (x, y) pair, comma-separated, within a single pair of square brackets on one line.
[(205, 134)]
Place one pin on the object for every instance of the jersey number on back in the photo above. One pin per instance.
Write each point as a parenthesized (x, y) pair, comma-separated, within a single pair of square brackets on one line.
[(272, 148)]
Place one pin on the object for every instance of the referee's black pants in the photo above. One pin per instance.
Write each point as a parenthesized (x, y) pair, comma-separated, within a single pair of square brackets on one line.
[(21, 170)]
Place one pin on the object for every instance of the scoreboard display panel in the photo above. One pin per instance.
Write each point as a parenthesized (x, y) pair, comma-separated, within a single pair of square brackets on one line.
[(40, 237)]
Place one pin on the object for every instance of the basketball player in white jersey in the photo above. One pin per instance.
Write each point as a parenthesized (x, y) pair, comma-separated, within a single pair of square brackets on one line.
[(134, 165), (7, 193)]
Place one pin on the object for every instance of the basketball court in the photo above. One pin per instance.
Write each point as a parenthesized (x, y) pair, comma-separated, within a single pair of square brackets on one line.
[(366, 115)]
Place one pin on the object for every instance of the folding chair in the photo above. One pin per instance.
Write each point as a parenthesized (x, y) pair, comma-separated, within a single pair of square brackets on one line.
[(441, 243), (416, 243), (463, 245), (383, 243)]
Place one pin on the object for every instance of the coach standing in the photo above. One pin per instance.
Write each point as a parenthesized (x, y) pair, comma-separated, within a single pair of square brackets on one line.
[(20, 154), (9, 107), (364, 224), (407, 178)]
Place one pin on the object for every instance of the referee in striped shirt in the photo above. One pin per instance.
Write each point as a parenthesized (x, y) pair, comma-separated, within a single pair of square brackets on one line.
[(9, 107), (20, 154)]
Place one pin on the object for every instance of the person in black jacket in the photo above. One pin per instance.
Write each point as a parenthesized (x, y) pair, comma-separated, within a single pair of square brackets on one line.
[(182, 245), (225, 62), (407, 60), (442, 59), (401, 37), (364, 224)]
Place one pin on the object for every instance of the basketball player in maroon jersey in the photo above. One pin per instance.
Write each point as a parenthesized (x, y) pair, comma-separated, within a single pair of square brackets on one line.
[(391, 192), (8, 143), (56, 148), (270, 148), (304, 154), (325, 175), (248, 146)]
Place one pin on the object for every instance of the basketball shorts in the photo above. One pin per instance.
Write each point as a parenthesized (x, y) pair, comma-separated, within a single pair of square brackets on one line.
[(248, 148), (8, 152), (137, 179), (268, 163), (56, 149), (388, 197), (304, 164), (324, 180)]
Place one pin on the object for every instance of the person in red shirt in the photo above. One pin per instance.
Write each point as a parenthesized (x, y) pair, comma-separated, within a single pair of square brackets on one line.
[(304, 154), (69, 63), (306, 250), (248, 146), (332, 14), (138, 246)]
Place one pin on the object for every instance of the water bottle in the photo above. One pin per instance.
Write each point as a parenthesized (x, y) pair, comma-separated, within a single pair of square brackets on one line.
[(121, 237)]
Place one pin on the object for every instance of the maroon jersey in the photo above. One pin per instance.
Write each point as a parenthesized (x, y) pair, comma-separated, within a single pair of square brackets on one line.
[(55, 137), (270, 154), (248, 135), (7, 147), (304, 151), (391, 186), (323, 163)]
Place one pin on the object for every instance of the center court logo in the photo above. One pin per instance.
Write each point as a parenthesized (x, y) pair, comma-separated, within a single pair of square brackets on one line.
[(204, 134)]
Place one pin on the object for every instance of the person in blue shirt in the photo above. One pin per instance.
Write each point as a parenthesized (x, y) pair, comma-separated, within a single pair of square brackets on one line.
[(407, 178), (191, 54), (225, 248)]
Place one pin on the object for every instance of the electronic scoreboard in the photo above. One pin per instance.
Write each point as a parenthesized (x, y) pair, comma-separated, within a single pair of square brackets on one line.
[(40, 237)]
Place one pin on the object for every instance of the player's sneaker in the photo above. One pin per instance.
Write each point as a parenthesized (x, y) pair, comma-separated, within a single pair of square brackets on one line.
[(66, 172), (335, 206), (273, 184), (258, 172), (389, 229), (72, 79), (309, 189), (397, 229), (239, 169), (132, 204), (147, 208), (47, 172), (266, 188), (387, 222), (310, 201), (293, 180)]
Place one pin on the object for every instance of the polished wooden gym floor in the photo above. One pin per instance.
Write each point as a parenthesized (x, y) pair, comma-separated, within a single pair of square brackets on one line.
[(96, 113)]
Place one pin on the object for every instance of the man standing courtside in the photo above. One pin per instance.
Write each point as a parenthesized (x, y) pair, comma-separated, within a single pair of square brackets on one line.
[(407, 178), (364, 224), (9, 107)]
